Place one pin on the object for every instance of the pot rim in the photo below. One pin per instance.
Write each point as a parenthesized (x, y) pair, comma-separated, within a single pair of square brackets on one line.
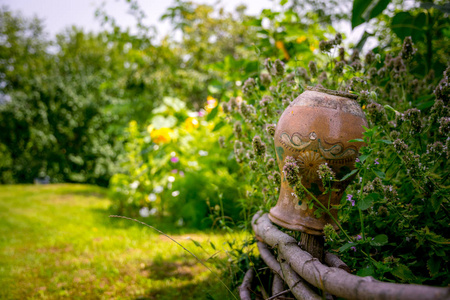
[(331, 92)]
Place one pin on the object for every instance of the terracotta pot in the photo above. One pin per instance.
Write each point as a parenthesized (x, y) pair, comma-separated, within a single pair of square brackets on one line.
[(316, 129)]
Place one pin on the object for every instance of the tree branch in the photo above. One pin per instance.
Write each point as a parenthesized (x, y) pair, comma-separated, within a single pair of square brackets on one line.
[(244, 288)]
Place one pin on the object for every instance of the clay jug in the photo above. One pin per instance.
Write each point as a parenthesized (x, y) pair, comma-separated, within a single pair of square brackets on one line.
[(315, 129)]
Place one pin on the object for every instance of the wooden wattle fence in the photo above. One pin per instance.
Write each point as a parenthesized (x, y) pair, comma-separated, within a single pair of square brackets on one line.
[(304, 274)]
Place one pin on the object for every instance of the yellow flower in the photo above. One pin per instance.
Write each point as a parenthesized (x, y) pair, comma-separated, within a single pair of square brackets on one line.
[(191, 123), (312, 48), (279, 44), (162, 135), (301, 39), (211, 103)]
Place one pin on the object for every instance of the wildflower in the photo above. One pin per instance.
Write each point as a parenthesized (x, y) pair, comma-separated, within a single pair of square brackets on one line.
[(253, 165), (326, 174), (211, 103), (175, 193), (259, 148), (353, 248), (181, 173), (278, 68), (270, 128), (266, 100), (144, 212), (250, 155), (329, 232), (247, 111), (301, 39), (413, 116), (370, 57), (376, 161), (342, 54), (158, 189), (394, 134), (265, 79), (171, 179), (442, 90), (349, 198), (270, 163), (221, 141), (355, 55), (358, 237), (174, 171), (201, 113), (444, 127), (203, 153), (357, 160), (174, 159), (134, 185), (323, 78), (237, 128), (225, 107), (408, 50), (291, 171), (151, 197), (325, 46), (376, 113), (162, 135), (400, 145), (276, 177), (312, 68), (337, 39), (249, 86)]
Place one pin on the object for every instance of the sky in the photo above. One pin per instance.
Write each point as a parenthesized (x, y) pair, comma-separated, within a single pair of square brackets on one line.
[(60, 14)]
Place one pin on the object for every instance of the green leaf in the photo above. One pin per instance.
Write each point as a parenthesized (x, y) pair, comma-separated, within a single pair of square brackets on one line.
[(212, 245), (369, 271), (379, 173), (346, 246), (356, 140), (379, 240), (218, 126), (363, 158), (403, 272), (384, 141), (364, 10), (213, 113), (365, 203), (433, 265), (405, 24), (349, 174), (196, 243)]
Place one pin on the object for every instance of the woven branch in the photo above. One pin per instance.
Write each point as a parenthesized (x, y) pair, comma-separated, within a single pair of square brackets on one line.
[(244, 288), (335, 280), (298, 287)]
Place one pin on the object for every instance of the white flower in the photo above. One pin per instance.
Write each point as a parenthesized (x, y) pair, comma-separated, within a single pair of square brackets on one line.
[(134, 185), (152, 197), (171, 179), (153, 211), (202, 153), (144, 212), (158, 189), (175, 193)]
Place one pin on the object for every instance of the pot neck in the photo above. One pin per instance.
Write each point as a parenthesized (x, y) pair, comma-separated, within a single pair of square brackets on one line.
[(331, 92)]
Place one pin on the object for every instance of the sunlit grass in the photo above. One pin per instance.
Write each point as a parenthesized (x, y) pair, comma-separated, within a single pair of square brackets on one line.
[(57, 241)]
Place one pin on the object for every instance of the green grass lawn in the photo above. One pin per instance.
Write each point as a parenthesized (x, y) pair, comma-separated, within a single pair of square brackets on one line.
[(57, 241)]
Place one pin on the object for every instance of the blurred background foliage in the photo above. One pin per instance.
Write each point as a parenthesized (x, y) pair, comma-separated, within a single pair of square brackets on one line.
[(119, 109)]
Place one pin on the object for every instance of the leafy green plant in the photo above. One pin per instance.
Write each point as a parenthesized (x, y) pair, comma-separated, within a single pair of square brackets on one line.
[(394, 217)]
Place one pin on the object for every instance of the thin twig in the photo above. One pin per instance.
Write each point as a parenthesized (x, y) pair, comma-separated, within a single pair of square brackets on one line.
[(279, 294)]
